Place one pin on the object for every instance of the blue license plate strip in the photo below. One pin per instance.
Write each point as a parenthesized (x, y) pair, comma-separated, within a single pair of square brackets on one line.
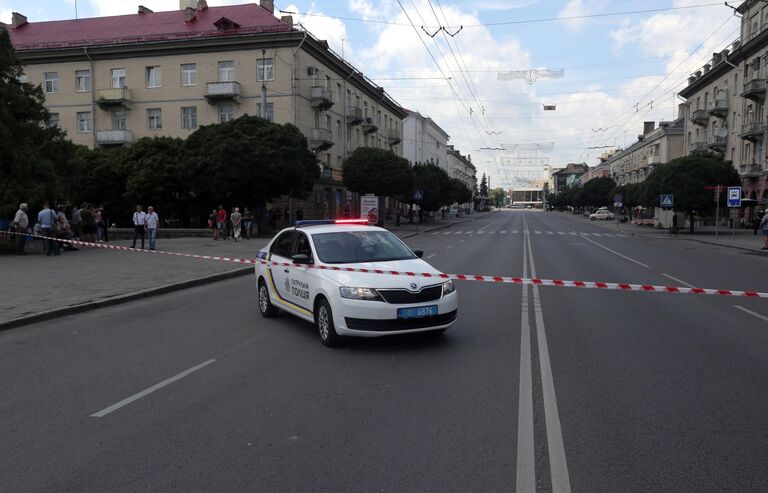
[(417, 312)]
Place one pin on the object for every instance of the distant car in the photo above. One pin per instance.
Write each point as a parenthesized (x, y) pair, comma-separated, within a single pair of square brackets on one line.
[(318, 288), (601, 214)]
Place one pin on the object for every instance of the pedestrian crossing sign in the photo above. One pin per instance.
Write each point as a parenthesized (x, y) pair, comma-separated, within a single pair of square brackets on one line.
[(667, 200)]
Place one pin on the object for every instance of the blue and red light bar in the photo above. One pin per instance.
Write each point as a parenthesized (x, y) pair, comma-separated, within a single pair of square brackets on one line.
[(318, 222)]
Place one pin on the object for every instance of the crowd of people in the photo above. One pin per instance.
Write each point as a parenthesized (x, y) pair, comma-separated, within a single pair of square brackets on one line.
[(236, 225), (86, 222)]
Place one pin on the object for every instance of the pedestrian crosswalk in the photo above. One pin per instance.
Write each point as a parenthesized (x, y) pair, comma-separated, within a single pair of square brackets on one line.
[(534, 232)]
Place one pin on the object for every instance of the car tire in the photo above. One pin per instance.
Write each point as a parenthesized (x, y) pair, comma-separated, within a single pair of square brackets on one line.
[(324, 324), (592, 218), (266, 308)]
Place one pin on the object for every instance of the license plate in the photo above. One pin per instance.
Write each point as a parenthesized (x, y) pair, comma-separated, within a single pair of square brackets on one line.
[(417, 312)]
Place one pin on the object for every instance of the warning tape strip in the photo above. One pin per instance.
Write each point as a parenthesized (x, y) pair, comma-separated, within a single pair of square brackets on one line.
[(647, 288)]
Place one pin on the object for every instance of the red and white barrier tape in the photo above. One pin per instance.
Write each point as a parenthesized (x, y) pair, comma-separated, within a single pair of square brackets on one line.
[(611, 286)]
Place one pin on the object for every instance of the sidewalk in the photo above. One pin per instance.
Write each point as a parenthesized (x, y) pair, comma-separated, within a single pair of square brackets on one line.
[(741, 238), (37, 287)]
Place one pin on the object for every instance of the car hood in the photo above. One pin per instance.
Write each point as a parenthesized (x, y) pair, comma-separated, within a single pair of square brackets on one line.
[(381, 281)]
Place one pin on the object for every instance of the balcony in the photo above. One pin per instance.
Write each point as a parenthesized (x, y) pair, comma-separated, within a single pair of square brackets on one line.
[(700, 117), (719, 107), (752, 130), (114, 137), (369, 125), (222, 91), (393, 136), (113, 97), (354, 115), (718, 143), (321, 139), (653, 160), (699, 145), (320, 98), (753, 170), (754, 89)]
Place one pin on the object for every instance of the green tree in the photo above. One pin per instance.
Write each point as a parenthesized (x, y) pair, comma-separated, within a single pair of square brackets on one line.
[(483, 192), (597, 192), (32, 154), (497, 197), (687, 178), (435, 183), (381, 172), (247, 161), (460, 192)]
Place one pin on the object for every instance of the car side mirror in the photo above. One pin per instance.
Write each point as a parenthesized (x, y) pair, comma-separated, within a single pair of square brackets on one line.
[(301, 259), (419, 253)]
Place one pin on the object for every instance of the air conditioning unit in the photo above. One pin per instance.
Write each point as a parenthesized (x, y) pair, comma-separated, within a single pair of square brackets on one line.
[(312, 71)]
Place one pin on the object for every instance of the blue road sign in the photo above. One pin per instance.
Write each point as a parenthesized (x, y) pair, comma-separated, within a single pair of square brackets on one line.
[(418, 194), (734, 196), (667, 200)]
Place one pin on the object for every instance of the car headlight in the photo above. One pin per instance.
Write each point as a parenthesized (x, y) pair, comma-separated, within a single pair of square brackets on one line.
[(366, 294), (448, 287)]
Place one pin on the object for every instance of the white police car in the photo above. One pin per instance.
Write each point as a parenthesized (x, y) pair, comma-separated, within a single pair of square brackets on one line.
[(352, 303)]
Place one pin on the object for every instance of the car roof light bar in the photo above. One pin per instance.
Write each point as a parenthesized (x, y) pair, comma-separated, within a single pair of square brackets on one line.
[(352, 221)]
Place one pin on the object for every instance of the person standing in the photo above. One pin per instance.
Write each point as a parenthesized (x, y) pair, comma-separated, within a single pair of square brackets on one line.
[(237, 220), (88, 223), (247, 222), (76, 221), (212, 220), (20, 226), (152, 222), (46, 218), (299, 214), (100, 225), (139, 225), (221, 222), (764, 228)]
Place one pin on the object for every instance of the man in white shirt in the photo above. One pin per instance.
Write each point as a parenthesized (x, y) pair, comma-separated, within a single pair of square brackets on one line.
[(20, 225), (153, 221), (139, 225)]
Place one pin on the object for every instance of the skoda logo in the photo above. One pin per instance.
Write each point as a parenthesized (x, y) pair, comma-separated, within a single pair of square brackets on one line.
[(413, 285)]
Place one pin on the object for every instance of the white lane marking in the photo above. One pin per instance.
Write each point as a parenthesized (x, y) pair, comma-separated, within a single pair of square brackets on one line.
[(503, 232), (146, 392), (550, 232), (596, 234), (469, 232), (480, 231), (616, 253), (761, 317), (678, 280), (492, 232), (537, 232), (461, 241), (514, 232), (526, 460), (558, 465), (560, 233), (459, 233), (572, 233), (449, 247), (430, 256)]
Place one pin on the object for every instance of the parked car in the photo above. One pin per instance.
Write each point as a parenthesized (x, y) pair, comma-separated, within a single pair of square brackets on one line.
[(601, 214)]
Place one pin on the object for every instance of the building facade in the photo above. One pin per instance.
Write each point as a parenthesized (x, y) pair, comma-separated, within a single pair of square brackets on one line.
[(568, 176), (111, 80), (725, 103), (423, 140), (602, 170), (657, 145), (461, 167)]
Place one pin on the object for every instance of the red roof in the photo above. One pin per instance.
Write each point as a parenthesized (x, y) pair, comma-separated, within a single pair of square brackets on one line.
[(155, 26)]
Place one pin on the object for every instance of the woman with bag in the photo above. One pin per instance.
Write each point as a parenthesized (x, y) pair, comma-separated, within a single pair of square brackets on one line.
[(764, 228)]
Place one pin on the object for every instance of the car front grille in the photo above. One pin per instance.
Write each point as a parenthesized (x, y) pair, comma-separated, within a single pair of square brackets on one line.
[(404, 297), (400, 323)]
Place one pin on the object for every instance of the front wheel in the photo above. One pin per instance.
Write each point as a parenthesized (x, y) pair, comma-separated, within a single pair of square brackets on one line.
[(324, 324), (266, 308), (592, 218)]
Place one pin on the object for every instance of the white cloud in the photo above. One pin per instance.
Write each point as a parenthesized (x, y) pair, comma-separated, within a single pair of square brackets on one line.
[(330, 29), (501, 4)]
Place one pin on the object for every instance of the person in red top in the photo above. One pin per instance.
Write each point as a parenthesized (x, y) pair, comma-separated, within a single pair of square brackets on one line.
[(221, 222)]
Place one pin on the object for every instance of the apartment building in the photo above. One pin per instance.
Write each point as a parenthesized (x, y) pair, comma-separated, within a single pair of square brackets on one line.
[(424, 140), (602, 170), (111, 80), (657, 145), (568, 176), (461, 167), (725, 102)]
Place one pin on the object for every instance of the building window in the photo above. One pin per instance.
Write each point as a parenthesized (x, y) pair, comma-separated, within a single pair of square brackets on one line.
[(265, 69), (82, 80), (189, 117), (154, 118), (226, 71), (118, 77), (357, 136), (338, 91), (153, 77), (328, 83), (188, 74), (118, 120), (53, 120), (338, 128), (338, 162), (84, 122), (270, 116), (51, 82), (328, 122), (226, 112)]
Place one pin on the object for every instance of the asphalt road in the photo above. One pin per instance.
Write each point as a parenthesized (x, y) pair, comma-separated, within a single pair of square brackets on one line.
[(533, 389)]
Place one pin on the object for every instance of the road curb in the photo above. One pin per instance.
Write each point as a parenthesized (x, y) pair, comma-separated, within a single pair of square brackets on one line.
[(123, 298)]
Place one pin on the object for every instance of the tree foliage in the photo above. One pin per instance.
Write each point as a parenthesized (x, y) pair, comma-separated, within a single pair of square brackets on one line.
[(497, 197), (597, 192), (436, 184), (378, 171), (460, 192), (483, 192)]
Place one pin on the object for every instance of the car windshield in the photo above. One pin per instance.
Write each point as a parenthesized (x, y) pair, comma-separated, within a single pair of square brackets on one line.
[(348, 247)]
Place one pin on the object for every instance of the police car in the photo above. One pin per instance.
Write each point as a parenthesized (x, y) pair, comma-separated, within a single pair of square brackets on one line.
[(352, 303)]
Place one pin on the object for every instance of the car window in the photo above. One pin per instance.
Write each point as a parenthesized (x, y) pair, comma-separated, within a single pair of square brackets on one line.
[(282, 244), (302, 246), (360, 246)]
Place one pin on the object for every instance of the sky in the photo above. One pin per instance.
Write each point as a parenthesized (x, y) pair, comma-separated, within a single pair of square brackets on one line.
[(618, 70)]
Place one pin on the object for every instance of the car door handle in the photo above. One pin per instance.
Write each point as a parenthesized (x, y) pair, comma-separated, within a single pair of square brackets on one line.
[(287, 271)]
